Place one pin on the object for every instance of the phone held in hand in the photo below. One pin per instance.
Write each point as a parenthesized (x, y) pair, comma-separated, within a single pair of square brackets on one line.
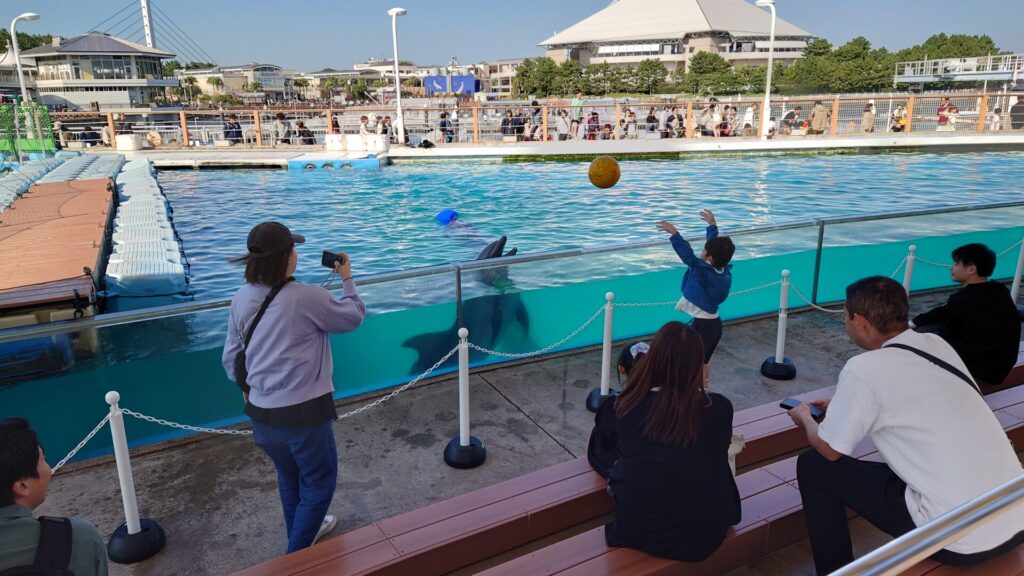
[(790, 403), (330, 258)]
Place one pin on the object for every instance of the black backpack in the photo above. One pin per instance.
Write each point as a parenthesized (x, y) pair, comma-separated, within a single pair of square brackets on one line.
[(53, 555)]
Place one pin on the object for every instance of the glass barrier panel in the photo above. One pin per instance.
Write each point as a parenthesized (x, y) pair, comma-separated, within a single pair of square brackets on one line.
[(539, 303), (859, 249), (171, 368)]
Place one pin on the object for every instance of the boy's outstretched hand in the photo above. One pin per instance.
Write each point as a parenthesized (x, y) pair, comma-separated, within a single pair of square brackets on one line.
[(707, 216), (665, 226)]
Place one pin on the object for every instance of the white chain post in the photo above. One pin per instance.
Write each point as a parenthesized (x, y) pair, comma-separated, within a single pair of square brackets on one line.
[(779, 367), (137, 539), (1015, 290), (599, 395), (908, 272), (464, 451)]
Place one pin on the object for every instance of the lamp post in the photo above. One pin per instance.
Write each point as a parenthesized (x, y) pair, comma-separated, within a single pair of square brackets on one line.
[(17, 58), (400, 120), (27, 16), (766, 111)]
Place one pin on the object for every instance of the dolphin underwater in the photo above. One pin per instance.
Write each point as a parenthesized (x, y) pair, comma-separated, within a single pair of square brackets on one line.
[(486, 317)]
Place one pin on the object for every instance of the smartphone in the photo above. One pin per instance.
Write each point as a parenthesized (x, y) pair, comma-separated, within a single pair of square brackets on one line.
[(790, 403), (329, 258)]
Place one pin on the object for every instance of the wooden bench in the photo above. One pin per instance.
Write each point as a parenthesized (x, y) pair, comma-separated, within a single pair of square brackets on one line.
[(466, 529), (772, 518)]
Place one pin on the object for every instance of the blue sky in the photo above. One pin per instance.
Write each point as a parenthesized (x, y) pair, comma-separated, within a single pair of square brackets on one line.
[(311, 34)]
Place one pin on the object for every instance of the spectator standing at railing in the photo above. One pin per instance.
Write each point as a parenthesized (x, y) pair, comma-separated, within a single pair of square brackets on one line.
[(651, 122), (947, 112), (536, 113), (577, 105), (282, 132), (24, 483), (631, 127), (941, 445), (233, 130), (364, 126), (593, 125), (898, 122), (508, 127), (562, 125), (818, 120), (867, 121), (287, 383), (674, 123), (577, 131), (1017, 114), (791, 120), (445, 128), (995, 123), (304, 133)]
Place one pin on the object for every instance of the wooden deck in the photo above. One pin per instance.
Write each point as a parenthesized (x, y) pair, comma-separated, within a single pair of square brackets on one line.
[(48, 237)]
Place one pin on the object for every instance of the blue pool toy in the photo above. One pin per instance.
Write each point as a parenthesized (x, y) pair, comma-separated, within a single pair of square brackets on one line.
[(446, 216)]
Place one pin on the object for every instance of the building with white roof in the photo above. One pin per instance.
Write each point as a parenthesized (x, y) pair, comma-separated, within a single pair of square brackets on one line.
[(97, 70), (9, 86), (672, 31)]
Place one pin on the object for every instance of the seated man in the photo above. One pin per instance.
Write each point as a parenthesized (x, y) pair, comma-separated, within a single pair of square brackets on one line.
[(980, 320), (791, 121), (941, 444), (24, 480)]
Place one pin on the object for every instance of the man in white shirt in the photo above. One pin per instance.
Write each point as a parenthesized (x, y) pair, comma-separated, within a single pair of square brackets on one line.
[(911, 395)]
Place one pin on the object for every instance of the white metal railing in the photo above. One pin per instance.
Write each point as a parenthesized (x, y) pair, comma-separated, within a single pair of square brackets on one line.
[(1006, 63)]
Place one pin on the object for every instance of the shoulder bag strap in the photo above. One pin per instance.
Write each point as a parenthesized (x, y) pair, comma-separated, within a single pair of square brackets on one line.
[(263, 308), (54, 550), (938, 362)]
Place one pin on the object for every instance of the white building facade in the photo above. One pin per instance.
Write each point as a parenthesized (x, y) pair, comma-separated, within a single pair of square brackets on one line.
[(629, 31), (99, 71)]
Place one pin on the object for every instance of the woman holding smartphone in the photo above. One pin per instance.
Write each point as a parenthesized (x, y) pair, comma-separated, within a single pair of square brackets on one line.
[(279, 353)]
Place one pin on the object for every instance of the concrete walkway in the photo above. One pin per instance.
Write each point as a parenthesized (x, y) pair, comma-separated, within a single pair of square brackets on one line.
[(217, 497)]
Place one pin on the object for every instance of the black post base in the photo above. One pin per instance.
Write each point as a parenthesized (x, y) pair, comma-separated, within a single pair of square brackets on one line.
[(785, 370), (465, 457), (125, 548), (595, 399)]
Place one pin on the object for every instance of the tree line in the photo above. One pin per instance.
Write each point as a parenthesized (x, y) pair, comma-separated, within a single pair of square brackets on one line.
[(851, 67)]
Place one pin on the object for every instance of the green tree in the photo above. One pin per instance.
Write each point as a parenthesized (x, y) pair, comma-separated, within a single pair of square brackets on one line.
[(535, 76), (818, 47), (302, 84), (569, 78), (650, 75), (25, 41), (708, 63), (255, 86), (216, 82), (191, 85)]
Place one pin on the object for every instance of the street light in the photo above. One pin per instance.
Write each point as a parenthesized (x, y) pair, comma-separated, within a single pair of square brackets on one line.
[(400, 121), (17, 58), (766, 108)]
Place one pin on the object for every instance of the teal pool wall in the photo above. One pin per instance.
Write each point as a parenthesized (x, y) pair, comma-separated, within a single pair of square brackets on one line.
[(190, 386)]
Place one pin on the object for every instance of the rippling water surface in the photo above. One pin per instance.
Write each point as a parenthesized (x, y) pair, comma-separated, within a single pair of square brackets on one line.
[(385, 219)]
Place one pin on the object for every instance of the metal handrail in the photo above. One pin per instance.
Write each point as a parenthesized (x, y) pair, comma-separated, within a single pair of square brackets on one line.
[(923, 541), (172, 310)]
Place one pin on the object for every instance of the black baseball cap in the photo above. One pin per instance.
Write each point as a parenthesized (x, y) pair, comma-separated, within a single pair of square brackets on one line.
[(272, 238)]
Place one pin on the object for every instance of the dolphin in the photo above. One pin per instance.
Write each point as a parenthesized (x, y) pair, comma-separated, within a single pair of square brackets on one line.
[(486, 317)]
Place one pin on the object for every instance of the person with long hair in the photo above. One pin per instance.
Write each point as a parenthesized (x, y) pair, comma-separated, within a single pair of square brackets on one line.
[(278, 352), (674, 493)]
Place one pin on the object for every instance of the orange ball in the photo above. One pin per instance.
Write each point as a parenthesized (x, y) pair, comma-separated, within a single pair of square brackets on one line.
[(604, 172)]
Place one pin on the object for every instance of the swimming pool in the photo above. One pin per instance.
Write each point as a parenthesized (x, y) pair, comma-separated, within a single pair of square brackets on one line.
[(170, 367), (384, 219)]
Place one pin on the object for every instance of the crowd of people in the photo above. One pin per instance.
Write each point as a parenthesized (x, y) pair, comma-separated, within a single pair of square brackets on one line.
[(665, 444)]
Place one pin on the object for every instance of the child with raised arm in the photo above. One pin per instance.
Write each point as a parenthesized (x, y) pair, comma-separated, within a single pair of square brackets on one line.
[(706, 283)]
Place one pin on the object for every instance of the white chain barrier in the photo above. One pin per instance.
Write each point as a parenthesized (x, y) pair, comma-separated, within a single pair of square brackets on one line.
[(812, 304), (898, 267), (545, 349), (169, 424), (402, 388), (674, 302), (1005, 251), (81, 444)]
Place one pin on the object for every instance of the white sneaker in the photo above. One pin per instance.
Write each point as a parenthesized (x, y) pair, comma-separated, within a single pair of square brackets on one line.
[(330, 523)]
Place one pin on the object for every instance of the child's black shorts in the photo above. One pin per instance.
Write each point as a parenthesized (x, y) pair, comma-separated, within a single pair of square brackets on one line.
[(710, 330)]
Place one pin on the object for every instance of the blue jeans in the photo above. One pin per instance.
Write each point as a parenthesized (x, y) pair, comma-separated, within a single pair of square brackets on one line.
[(307, 473)]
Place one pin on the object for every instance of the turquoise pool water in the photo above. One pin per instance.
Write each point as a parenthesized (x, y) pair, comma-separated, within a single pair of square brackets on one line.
[(384, 218), (170, 368)]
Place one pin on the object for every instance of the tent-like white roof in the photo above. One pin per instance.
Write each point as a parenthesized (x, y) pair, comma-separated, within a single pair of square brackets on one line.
[(626, 20)]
